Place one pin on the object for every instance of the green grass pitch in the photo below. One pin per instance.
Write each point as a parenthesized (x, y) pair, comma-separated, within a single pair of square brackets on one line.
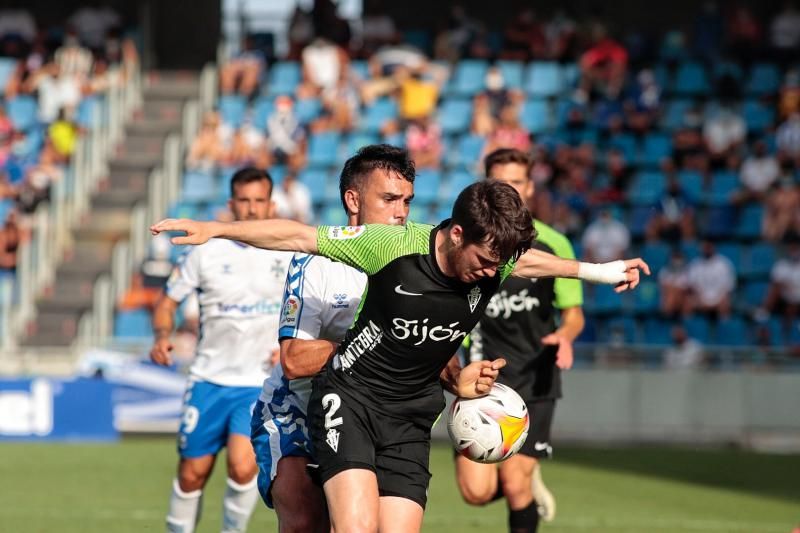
[(124, 487)]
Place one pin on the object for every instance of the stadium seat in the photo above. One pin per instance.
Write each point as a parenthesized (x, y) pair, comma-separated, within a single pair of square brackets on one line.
[(284, 77), (723, 184), (733, 251), (318, 182), (198, 187), (727, 68), (21, 110), (620, 329), (355, 141), (645, 300), (691, 80), (323, 149), (656, 254), (262, 109), (639, 218), (232, 109), (427, 186), (719, 222), (455, 116), (757, 260), (692, 184), (535, 115), (455, 183), (603, 300), (657, 146), (183, 210), (733, 331), (360, 68), (307, 110), (132, 324), (698, 328), (512, 73), (674, 113), (657, 332), (646, 188), (466, 151), (758, 116), (376, 115), (764, 79), (569, 75), (752, 295), (469, 77), (748, 225), (690, 249), (7, 66), (544, 79), (626, 144)]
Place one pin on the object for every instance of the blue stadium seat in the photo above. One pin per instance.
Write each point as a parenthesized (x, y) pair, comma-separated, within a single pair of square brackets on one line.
[(674, 113), (619, 329), (318, 182), (455, 183), (426, 186), (733, 251), (657, 332), (333, 215), (262, 109), (733, 331), (639, 218), (455, 116), (698, 328), (512, 73), (748, 225), (232, 109), (466, 151), (657, 146), (469, 77), (719, 222), (132, 324), (757, 260), (603, 300), (723, 184), (544, 79), (753, 293), (198, 187), (376, 115), (646, 188), (775, 331), (307, 110), (764, 78), (758, 116), (656, 254), (354, 142), (323, 149), (284, 77), (21, 110), (691, 80), (421, 213), (6, 205), (692, 184), (183, 210), (626, 144), (569, 75), (690, 249), (646, 298), (360, 68), (535, 115), (7, 66), (727, 68)]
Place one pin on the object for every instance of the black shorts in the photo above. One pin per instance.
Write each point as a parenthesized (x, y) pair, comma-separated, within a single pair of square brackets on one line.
[(347, 434), (541, 420)]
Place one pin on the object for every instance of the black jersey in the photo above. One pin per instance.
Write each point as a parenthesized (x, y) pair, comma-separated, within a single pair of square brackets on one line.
[(412, 318), (519, 315)]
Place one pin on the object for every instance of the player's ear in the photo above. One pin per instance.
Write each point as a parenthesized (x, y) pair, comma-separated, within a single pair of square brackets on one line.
[(353, 201), (457, 235)]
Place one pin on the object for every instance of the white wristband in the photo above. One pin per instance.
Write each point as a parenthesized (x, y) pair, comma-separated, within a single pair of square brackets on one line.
[(608, 273)]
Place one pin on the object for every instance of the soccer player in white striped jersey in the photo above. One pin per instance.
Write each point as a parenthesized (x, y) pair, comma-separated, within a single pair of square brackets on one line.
[(319, 305), (239, 289)]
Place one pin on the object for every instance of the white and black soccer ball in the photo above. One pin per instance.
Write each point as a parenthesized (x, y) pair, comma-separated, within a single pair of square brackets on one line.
[(491, 428)]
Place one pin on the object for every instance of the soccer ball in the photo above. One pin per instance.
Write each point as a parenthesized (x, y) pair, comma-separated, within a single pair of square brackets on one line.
[(491, 428)]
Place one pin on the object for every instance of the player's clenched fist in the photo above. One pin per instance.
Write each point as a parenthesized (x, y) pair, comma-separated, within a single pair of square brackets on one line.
[(476, 379), (160, 352)]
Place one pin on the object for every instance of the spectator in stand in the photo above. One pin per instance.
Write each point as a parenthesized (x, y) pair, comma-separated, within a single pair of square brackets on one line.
[(6, 131), (785, 34), (292, 199), (10, 237), (72, 58), (744, 33), (417, 93), (712, 280), (783, 295), (324, 63), (424, 143), (685, 352), (93, 24), (340, 106), (788, 139), (789, 98), (643, 103), (509, 132), (560, 33), (759, 171), (248, 147), (605, 239), (242, 72), (619, 176), (723, 134), (63, 136), (39, 177), (673, 280), (688, 149), (674, 218), (782, 214), (603, 66), (210, 147), (285, 135), (55, 92), (489, 102), (524, 37), (300, 32)]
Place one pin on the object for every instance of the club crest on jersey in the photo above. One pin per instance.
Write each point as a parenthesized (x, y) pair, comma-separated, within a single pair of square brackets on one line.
[(333, 440), (473, 298), (341, 233)]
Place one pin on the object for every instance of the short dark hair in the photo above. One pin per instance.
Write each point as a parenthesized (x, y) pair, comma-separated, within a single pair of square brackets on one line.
[(492, 212), (505, 156), (369, 158), (249, 175)]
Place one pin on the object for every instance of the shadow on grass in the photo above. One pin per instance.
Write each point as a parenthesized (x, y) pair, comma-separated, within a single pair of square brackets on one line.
[(761, 474)]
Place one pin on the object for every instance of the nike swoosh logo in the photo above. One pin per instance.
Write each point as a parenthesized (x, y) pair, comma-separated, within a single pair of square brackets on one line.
[(399, 290)]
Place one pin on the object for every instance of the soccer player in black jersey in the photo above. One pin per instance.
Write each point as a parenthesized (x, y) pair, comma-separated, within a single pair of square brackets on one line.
[(520, 324), (373, 405)]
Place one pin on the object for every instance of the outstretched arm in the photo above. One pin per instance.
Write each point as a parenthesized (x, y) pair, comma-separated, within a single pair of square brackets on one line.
[(275, 234), (539, 264)]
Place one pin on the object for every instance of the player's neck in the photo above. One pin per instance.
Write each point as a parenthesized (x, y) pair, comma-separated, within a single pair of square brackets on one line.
[(442, 246)]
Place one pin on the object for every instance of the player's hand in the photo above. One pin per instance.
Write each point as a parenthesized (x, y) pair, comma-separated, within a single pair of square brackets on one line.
[(632, 268), (564, 354), (196, 232), (160, 352), (476, 379), (275, 358)]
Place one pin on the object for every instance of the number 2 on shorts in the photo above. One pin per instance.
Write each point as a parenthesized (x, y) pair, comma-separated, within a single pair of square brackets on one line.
[(331, 402)]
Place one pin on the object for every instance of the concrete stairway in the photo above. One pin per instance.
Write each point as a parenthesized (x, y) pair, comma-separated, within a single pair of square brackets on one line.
[(108, 220)]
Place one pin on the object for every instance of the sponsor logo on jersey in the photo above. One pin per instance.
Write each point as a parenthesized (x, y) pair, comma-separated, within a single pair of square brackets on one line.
[(333, 440), (420, 331), (341, 301), (367, 339), (263, 307), (503, 305), (341, 233), (289, 311), (473, 298)]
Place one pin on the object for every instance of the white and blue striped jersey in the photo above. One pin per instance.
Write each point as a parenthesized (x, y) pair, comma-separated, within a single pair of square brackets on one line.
[(239, 290), (320, 301)]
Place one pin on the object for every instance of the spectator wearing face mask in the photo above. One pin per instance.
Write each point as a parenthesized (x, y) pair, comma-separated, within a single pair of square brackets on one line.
[(783, 295), (673, 282), (286, 137), (488, 104), (605, 239)]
